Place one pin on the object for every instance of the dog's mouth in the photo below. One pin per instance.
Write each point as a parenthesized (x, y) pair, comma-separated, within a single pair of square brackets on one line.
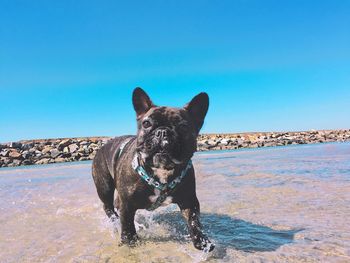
[(167, 154), (164, 159)]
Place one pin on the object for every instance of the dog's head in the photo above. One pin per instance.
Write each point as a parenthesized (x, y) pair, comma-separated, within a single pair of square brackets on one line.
[(167, 136)]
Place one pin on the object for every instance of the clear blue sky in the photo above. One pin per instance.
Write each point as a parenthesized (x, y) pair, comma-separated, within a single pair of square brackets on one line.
[(68, 68)]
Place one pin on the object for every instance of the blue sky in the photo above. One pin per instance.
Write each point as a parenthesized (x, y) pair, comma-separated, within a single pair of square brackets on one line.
[(68, 68)]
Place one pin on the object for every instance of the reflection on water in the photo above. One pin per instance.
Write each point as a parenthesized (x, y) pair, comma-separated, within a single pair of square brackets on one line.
[(286, 204)]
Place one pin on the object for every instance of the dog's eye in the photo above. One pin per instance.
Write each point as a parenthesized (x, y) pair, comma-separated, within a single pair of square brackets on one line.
[(146, 124)]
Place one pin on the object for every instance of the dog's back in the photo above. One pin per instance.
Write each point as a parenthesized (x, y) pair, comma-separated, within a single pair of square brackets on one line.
[(103, 170)]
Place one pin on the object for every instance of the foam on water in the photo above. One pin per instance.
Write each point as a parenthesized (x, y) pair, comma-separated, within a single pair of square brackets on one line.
[(287, 204)]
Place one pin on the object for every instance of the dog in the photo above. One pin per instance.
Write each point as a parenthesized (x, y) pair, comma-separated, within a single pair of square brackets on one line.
[(154, 167)]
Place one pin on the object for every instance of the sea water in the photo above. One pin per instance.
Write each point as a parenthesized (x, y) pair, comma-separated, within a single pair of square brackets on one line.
[(280, 204)]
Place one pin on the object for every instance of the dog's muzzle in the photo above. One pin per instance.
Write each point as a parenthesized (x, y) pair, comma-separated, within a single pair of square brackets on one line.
[(162, 135)]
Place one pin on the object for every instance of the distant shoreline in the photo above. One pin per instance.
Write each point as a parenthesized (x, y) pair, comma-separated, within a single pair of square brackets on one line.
[(44, 151)]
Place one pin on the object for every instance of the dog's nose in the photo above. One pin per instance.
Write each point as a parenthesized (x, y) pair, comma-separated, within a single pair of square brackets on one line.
[(161, 133)]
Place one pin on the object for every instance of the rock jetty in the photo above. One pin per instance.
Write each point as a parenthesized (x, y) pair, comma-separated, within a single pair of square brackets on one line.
[(82, 149), (49, 151)]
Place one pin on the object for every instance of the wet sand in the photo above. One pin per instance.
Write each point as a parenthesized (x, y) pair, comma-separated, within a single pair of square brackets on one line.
[(285, 204)]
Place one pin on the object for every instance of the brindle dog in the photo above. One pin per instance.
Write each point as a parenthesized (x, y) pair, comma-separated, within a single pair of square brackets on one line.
[(165, 142)]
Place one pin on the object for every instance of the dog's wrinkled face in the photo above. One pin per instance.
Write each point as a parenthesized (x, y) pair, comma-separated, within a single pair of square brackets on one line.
[(168, 136)]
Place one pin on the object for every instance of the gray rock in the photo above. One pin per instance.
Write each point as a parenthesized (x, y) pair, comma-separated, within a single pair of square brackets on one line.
[(16, 162), (46, 149), (27, 146), (15, 154), (269, 144), (77, 156), (6, 160), (43, 161), (86, 149), (54, 153), (60, 160), (16, 145), (81, 149), (66, 150), (26, 154), (238, 142), (93, 145), (212, 142), (27, 162), (225, 142), (253, 145), (5, 153), (73, 147), (66, 155), (64, 143), (32, 150)]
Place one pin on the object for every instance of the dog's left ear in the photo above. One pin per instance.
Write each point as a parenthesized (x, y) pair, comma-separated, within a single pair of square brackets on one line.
[(141, 101), (198, 108)]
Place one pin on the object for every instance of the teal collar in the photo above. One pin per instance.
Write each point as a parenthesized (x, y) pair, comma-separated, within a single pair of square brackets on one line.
[(151, 180)]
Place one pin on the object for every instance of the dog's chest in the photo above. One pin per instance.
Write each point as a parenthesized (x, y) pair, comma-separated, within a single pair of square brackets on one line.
[(162, 175), (153, 198)]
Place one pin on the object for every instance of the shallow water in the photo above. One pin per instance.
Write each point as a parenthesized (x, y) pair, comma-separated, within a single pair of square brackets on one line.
[(285, 204)]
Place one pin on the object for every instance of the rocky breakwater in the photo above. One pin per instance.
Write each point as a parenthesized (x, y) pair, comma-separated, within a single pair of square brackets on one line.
[(268, 139), (81, 149), (49, 151)]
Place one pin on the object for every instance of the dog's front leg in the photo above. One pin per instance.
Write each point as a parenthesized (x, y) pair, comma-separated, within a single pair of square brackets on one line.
[(191, 215), (127, 216)]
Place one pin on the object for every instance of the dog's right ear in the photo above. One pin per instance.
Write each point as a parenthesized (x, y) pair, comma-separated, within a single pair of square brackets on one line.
[(198, 108), (142, 103)]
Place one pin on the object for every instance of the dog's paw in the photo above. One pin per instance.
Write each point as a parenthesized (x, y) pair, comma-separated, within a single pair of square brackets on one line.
[(129, 240), (205, 245), (208, 247)]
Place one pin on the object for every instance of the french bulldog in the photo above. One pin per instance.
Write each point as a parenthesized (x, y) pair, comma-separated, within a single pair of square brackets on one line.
[(154, 167)]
